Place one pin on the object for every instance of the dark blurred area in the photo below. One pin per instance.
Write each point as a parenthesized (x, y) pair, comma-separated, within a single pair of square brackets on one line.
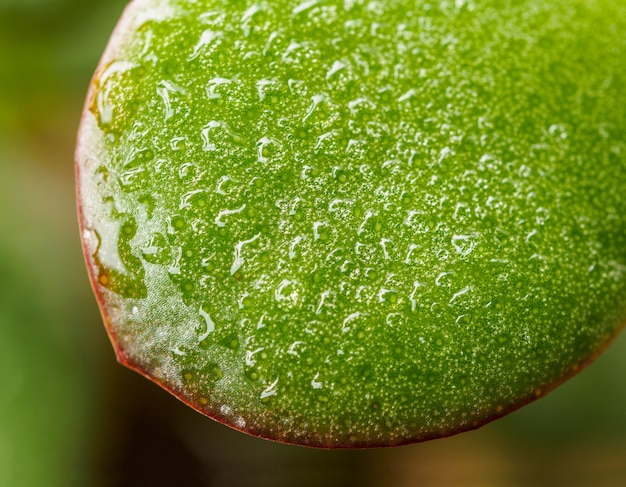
[(70, 416)]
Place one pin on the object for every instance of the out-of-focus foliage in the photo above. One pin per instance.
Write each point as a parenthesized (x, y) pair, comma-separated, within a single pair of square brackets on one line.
[(48, 50), (69, 416), (45, 400), (48, 390)]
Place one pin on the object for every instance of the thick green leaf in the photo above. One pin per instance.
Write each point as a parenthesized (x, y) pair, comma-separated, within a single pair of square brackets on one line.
[(358, 223)]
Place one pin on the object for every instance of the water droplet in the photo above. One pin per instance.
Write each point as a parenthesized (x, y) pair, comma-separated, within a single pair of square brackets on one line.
[(287, 291), (157, 251), (238, 260), (316, 100), (167, 91), (267, 148), (464, 244), (208, 40), (102, 104), (388, 296), (209, 325), (224, 213), (176, 224), (270, 390)]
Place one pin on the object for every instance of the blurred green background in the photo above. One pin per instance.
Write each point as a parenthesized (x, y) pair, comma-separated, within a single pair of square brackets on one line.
[(70, 416)]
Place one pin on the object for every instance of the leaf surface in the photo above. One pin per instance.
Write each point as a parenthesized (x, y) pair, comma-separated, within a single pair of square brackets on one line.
[(353, 224)]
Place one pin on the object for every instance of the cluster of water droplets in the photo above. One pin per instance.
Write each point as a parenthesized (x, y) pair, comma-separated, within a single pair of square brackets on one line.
[(316, 181)]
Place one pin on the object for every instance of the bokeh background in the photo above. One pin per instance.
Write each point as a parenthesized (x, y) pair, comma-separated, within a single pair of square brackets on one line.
[(70, 416)]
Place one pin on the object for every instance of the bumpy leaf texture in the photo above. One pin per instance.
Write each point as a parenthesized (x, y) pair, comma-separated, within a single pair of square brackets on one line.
[(358, 223)]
